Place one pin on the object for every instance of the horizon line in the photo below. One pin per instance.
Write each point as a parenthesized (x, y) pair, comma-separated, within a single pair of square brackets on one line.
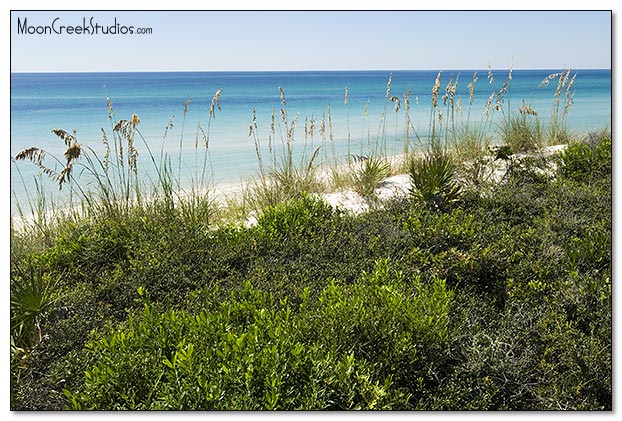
[(304, 70)]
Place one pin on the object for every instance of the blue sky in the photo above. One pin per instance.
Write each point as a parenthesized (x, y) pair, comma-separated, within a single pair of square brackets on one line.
[(313, 40)]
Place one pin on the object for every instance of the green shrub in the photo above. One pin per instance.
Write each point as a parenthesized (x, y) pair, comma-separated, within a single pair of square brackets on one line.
[(580, 159), (244, 353), (400, 324), (368, 177), (591, 252), (438, 232), (433, 180), (576, 160), (32, 296), (297, 218), (535, 170)]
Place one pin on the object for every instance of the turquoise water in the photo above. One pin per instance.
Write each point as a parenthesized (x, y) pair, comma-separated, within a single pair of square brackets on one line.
[(45, 101)]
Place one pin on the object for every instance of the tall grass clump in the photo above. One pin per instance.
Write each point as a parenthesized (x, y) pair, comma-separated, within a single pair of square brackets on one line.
[(74, 150), (563, 98), (368, 175), (112, 183), (433, 173), (516, 131), (520, 132), (115, 181), (282, 177), (451, 127), (469, 140)]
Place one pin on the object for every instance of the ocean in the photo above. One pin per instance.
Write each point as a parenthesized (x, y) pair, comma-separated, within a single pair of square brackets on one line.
[(41, 102)]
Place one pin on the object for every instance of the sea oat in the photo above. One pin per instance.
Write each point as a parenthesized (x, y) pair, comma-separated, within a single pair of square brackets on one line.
[(36, 156), (252, 127), (110, 109), (447, 90), (272, 131), (203, 136), (312, 126), (347, 98), (397, 102), (33, 154), (546, 80), (253, 124), (290, 133), (435, 89), (135, 120), (330, 124), (491, 78), (569, 95), (73, 152), (407, 101), (129, 134), (561, 82), (504, 88), (570, 84), (215, 103), (527, 110), (502, 91), (282, 93), (65, 137), (119, 126), (168, 127), (107, 154), (489, 102), (133, 154), (306, 128), (569, 102), (452, 91), (471, 87), (389, 85), (64, 175)]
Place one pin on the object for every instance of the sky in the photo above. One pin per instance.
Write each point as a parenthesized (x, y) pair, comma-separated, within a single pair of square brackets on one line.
[(314, 40)]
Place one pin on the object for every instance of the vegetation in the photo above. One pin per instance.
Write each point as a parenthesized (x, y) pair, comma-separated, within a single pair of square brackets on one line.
[(434, 179), (481, 296), (369, 175)]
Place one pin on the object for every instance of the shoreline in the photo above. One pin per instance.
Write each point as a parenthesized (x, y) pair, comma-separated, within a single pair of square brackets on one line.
[(345, 199)]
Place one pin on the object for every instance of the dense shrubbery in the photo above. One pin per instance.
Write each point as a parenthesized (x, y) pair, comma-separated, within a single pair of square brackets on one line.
[(583, 159), (249, 352), (500, 301)]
